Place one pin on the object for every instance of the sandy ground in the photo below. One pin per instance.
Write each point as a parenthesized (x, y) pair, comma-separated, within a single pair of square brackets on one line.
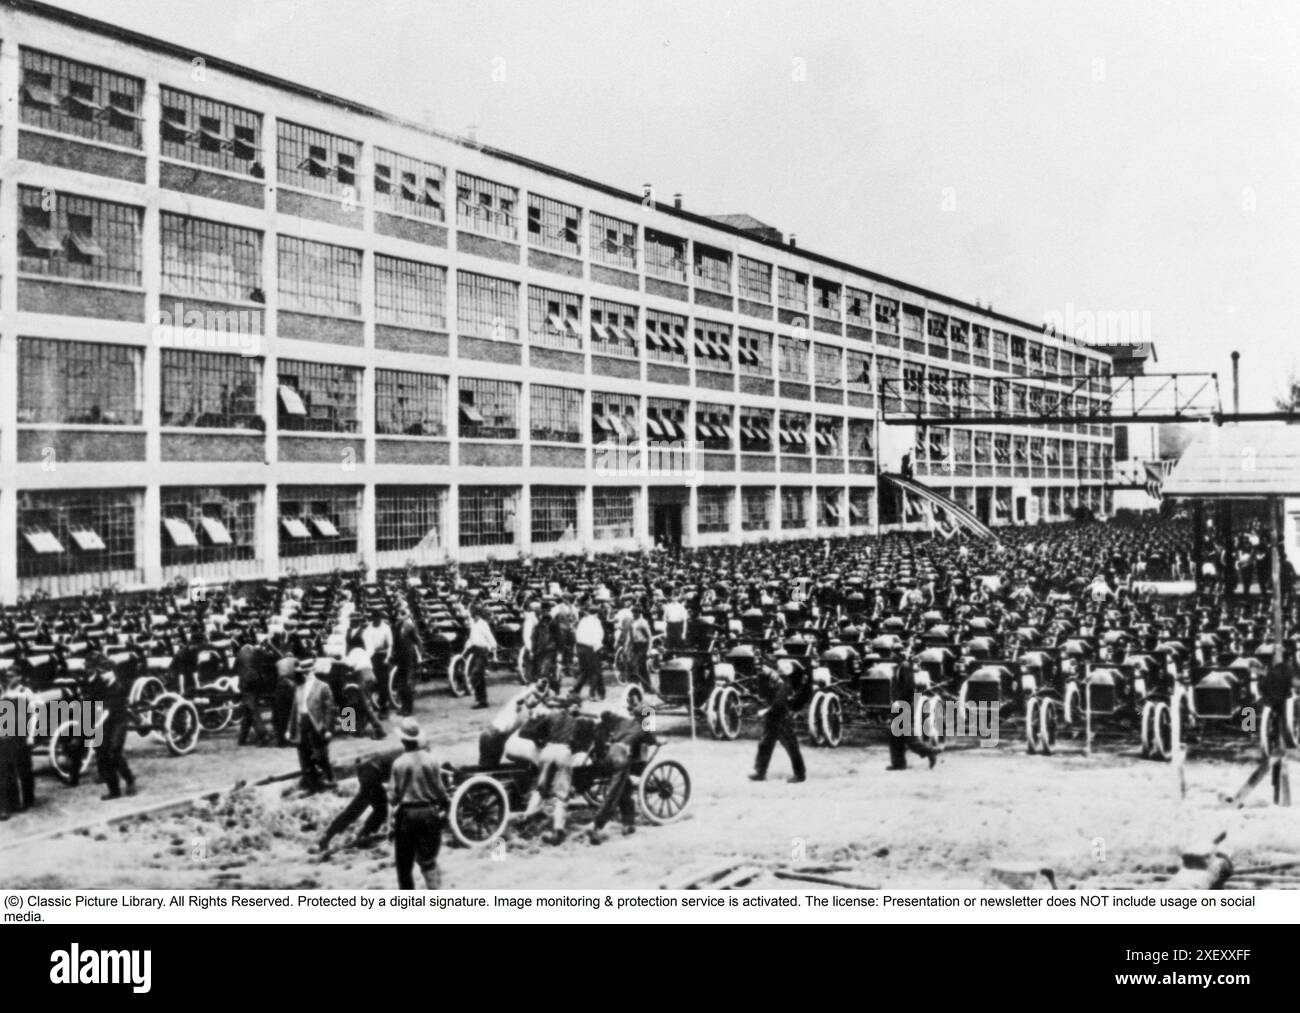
[(1093, 820)]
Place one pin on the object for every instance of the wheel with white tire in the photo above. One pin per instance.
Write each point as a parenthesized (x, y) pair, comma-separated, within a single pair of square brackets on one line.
[(1070, 706), (830, 718), (1162, 731), (180, 728), (1046, 727), (711, 711), (479, 811), (1147, 727), (729, 713), (458, 675), (814, 726)]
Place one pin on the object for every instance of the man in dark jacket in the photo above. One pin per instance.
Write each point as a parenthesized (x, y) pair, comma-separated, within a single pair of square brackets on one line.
[(902, 722), (110, 694), (620, 742), (372, 777), (252, 663), (406, 659), (778, 726)]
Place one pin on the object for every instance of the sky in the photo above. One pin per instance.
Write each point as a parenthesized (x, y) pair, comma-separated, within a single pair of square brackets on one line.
[(1058, 160)]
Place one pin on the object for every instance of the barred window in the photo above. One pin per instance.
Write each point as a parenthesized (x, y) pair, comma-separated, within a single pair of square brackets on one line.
[(754, 351), (613, 241), (712, 345), (959, 334), (489, 409), (829, 507), (756, 430), (1017, 348), (982, 447), (488, 514), (828, 433), (756, 509), (64, 236), (888, 373), (665, 256), (613, 513), (211, 390), (208, 525), (886, 315), (1035, 354), (79, 383), (857, 307), (87, 531), (828, 365), (79, 99), (713, 509), (410, 186), (792, 358), (555, 510), (408, 518), (487, 207), (410, 293), (410, 404), (554, 225), (554, 318), (615, 418), (792, 289), (1002, 448), (794, 508), (713, 426), (961, 446), (315, 160), (556, 413), (979, 338), (793, 430), (318, 520), (755, 280), (860, 438), (213, 134), (665, 337), (858, 370), (210, 260), (826, 299), (859, 506), (1000, 344), (319, 397), (319, 277), (712, 268), (937, 328), (613, 328), (487, 307), (665, 420)]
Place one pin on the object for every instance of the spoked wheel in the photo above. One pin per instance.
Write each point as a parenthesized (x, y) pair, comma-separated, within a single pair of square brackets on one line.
[(1162, 730), (596, 793), (1070, 705), (64, 744), (814, 725), (1046, 727), (1032, 706), (180, 728), (665, 791), (711, 712), (729, 712), (479, 811), (633, 698), (620, 666), (1270, 730), (216, 717), (458, 676), (830, 718), (145, 691)]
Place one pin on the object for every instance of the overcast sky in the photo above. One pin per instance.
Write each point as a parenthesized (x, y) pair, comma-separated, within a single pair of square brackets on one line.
[(1061, 157)]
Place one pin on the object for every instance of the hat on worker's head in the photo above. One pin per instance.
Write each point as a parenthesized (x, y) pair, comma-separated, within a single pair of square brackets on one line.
[(306, 666), (410, 732)]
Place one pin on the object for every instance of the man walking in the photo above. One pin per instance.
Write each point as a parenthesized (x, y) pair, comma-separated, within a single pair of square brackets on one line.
[(903, 717), (621, 739), (421, 802), (778, 726), (406, 656), (480, 646), (378, 641), (590, 638), (110, 694)]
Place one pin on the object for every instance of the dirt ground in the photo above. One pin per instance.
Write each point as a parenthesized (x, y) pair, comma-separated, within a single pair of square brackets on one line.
[(1093, 820)]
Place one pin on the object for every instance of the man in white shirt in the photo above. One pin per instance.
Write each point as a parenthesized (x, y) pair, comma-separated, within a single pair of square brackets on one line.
[(378, 641), (531, 615), (590, 637), (508, 720), (480, 646), (675, 623)]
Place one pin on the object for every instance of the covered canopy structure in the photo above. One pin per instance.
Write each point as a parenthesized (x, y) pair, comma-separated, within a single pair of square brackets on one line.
[(1238, 461)]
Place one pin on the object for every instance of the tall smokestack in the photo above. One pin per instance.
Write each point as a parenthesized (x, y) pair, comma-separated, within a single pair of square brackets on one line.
[(1236, 383)]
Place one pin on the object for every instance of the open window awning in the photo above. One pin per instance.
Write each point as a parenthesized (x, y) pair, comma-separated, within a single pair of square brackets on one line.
[(42, 238), (87, 539), (655, 428), (324, 527), (471, 414), (181, 534), (42, 541), (603, 424), (601, 332), (217, 532), (855, 511), (294, 527), (39, 95), (291, 401), (622, 427)]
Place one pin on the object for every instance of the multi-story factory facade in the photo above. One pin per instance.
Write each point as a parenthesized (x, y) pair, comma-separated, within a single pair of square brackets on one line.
[(247, 328)]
